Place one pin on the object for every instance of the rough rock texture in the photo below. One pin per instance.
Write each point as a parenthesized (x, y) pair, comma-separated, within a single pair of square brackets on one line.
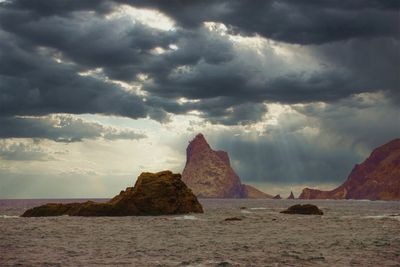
[(377, 178), (252, 192), (277, 197), (153, 194), (291, 196), (306, 209), (209, 173)]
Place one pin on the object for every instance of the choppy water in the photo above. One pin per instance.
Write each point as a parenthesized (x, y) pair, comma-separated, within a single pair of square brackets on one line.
[(351, 233)]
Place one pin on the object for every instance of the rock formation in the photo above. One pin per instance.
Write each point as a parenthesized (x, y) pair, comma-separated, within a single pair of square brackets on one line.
[(291, 196), (306, 209), (209, 173), (377, 178), (277, 197), (153, 194), (252, 192)]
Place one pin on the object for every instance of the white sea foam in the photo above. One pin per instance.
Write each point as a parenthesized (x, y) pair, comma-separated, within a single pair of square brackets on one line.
[(3, 216), (385, 216), (245, 211), (258, 208), (186, 217)]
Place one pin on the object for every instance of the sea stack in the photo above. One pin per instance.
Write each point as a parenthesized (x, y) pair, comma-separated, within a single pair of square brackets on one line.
[(153, 194), (209, 173), (306, 209), (277, 197), (291, 196), (377, 178)]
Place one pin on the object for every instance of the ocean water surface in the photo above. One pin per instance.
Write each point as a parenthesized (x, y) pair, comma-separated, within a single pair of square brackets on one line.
[(351, 233)]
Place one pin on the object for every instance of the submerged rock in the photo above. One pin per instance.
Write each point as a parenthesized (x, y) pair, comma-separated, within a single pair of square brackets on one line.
[(233, 219), (306, 209), (277, 197), (153, 194)]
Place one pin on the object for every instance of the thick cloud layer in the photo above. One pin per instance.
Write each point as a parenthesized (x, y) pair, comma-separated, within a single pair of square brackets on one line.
[(334, 66), (50, 51), (301, 22), (61, 129)]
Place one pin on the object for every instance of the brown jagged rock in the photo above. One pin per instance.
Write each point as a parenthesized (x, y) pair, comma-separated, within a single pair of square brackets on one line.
[(252, 192), (306, 209), (209, 173), (277, 197), (291, 196), (153, 194), (377, 178)]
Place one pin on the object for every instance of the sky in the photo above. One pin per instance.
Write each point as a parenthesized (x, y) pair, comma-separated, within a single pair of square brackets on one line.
[(92, 93)]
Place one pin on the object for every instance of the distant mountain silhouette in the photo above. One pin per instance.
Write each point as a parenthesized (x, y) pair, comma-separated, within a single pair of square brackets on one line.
[(377, 178), (209, 173)]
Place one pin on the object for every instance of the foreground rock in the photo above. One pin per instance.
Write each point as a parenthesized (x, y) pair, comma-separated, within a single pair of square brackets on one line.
[(306, 209), (377, 178), (153, 194), (209, 173)]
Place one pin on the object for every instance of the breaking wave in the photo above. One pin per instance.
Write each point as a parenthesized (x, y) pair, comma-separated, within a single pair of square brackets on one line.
[(186, 217), (3, 216)]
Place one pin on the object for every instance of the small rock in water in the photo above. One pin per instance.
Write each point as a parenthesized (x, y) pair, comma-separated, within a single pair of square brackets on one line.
[(224, 264), (306, 209), (233, 219), (243, 208)]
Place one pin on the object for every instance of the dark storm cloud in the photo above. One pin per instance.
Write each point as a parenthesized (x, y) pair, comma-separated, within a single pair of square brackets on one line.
[(60, 129), (355, 44), (88, 40), (33, 84), (367, 120), (59, 7), (301, 22)]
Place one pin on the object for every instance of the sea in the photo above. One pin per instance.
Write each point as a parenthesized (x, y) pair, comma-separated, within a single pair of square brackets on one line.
[(350, 233)]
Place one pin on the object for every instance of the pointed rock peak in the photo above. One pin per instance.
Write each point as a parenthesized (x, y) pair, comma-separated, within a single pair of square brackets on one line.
[(291, 196), (199, 139), (198, 143), (208, 172)]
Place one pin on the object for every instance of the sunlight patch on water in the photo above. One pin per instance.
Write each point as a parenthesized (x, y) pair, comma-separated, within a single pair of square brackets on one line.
[(186, 217)]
